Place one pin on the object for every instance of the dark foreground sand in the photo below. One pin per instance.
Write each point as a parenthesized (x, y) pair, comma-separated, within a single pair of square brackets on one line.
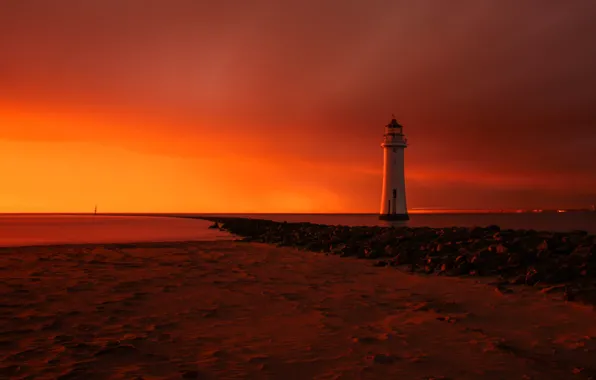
[(231, 310)]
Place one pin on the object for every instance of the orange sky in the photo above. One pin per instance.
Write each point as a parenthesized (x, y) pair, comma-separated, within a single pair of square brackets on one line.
[(190, 106)]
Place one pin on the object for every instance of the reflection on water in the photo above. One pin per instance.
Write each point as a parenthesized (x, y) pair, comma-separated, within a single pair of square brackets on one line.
[(43, 230)]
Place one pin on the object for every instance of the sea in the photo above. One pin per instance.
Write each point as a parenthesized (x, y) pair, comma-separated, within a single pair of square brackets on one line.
[(23, 230), (26, 230)]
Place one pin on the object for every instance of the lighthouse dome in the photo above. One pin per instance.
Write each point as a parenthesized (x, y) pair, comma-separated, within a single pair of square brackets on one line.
[(394, 124)]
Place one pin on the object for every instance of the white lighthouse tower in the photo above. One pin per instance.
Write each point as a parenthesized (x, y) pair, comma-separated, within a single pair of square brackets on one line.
[(393, 199)]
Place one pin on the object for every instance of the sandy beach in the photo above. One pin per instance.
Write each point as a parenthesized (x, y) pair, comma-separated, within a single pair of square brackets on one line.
[(232, 310)]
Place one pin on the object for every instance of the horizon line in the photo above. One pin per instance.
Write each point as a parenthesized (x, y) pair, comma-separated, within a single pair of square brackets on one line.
[(410, 211)]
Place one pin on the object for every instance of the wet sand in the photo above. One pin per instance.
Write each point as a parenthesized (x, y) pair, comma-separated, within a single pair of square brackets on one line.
[(233, 310)]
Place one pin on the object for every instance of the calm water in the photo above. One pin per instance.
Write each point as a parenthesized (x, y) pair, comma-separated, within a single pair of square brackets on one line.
[(43, 230), (40, 230), (538, 221)]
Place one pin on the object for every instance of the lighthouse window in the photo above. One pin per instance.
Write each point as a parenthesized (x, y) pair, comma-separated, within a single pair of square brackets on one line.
[(394, 193)]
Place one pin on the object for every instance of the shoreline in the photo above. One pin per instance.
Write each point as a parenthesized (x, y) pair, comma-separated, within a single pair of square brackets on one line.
[(131, 244), (515, 257), (564, 262)]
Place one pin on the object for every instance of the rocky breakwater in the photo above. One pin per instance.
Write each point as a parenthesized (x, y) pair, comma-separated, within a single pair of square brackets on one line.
[(564, 262)]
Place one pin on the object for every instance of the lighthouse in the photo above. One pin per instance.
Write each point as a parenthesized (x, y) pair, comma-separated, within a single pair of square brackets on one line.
[(393, 199)]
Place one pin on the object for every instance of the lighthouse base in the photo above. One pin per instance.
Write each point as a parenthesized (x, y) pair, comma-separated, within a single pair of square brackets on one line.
[(394, 217)]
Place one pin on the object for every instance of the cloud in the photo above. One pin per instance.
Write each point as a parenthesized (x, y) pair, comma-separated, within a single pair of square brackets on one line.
[(497, 96)]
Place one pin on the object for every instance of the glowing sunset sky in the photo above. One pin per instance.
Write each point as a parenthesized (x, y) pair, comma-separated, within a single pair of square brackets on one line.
[(279, 106)]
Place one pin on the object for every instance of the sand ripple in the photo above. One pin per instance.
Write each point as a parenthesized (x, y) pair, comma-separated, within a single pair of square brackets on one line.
[(230, 310)]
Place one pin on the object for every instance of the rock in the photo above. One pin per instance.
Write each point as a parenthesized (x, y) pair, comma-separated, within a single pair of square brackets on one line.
[(371, 253), (502, 290), (514, 260), (522, 256), (553, 289), (447, 249), (445, 267), (542, 246), (384, 359), (479, 244), (314, 246), (518, 280), (391, 251), (582, 251), (402, 258), (477, 233), (564, 249), (533, 276), (349, 250), (214, 226), (461, 267), (337, 249), (461, 259), (499, 248)]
